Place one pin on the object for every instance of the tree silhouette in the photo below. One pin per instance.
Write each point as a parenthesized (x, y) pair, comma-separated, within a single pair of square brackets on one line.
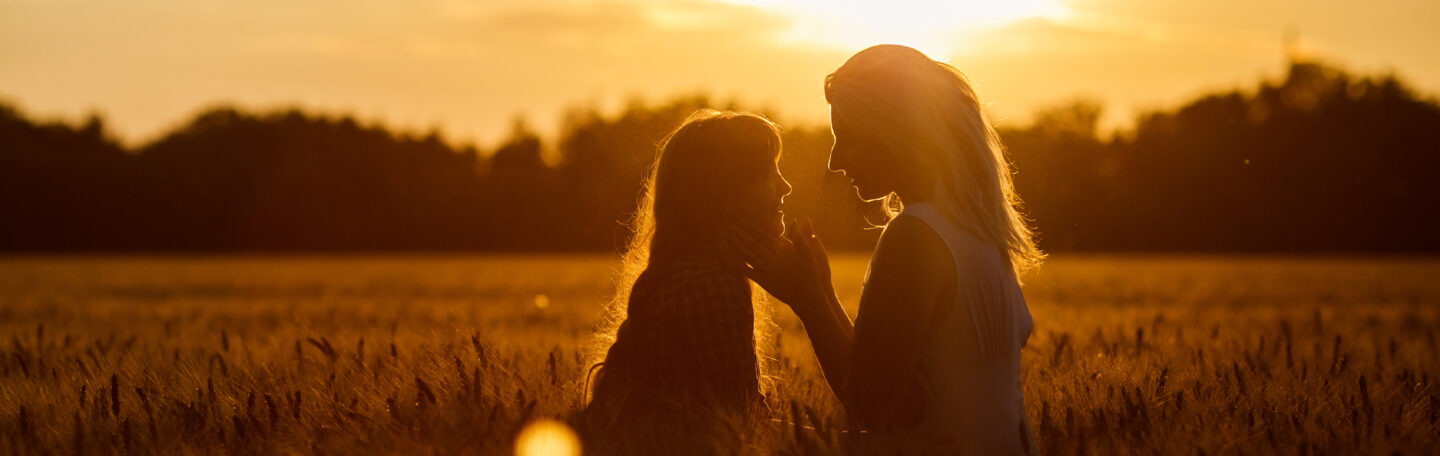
[(1320, 160)]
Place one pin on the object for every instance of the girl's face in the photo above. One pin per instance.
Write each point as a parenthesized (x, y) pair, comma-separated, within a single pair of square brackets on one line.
[(859, 156), (761, 201)]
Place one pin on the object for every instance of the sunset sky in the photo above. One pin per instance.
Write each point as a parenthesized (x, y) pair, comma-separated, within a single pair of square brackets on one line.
[(469, 66)]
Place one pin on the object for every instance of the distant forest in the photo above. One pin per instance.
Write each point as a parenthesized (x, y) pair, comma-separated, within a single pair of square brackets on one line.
[(1320, 161)]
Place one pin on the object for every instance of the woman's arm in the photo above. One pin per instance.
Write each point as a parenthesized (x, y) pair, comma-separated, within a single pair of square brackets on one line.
[(798, 273), (832, 335), (870, 363)]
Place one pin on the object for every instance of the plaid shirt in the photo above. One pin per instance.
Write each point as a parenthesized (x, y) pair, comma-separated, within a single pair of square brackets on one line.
[(690, 332)]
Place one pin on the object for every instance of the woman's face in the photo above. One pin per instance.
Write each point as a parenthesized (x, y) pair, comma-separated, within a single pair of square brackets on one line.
[(859, 156), (761, 201)]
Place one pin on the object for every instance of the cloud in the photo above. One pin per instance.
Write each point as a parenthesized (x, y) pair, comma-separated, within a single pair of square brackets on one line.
[(475, 64), (625, 28)]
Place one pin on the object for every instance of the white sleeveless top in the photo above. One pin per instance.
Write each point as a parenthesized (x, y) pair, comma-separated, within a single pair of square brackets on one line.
[(970, 371)]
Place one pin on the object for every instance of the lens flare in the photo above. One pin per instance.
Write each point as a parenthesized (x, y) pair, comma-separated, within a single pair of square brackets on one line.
[(545, 437)]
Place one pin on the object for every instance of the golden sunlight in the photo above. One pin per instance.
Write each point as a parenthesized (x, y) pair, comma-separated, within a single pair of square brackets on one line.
[(937, 28)]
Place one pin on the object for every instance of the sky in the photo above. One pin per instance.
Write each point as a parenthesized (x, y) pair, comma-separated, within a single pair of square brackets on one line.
[(469, 67)]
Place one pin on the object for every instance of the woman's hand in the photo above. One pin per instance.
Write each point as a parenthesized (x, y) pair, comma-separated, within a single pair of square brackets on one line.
[(795, 269)]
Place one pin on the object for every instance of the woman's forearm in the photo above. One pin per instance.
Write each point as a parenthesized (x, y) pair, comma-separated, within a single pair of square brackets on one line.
[(832, 335)]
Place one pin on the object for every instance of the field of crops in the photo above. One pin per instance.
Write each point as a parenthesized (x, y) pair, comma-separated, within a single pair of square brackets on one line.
[(367, 354)]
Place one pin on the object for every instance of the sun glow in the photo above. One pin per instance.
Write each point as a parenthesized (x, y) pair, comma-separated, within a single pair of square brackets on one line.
[(938, 28), (547, 437)]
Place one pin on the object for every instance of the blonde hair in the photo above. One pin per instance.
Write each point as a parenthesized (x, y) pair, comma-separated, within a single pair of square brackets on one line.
[(931, 123), (696, 164)]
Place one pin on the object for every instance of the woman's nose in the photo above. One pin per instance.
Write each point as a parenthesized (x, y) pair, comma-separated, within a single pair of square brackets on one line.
[(785, 187)]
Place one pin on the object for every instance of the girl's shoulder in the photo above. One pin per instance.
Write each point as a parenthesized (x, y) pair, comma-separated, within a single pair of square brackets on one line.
[(693, 279)]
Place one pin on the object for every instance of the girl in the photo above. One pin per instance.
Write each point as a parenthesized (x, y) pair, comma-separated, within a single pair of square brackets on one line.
[(934, 351), (683, 359)]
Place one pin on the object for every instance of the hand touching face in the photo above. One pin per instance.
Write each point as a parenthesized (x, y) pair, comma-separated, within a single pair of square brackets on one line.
[(794, 268)]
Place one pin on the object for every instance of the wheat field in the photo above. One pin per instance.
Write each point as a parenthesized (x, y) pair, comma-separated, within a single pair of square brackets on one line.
[(457, 354)]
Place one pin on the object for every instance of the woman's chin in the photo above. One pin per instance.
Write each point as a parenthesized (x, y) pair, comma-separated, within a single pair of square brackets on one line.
[(868, 196), (862, 192)]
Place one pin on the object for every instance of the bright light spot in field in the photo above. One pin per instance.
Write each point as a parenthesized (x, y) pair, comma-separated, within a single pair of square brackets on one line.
[(937, 28), (542, 302), (545, 437)]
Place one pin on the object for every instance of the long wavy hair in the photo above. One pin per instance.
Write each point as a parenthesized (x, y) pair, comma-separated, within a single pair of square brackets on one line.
[(685, 207), (932, 124)]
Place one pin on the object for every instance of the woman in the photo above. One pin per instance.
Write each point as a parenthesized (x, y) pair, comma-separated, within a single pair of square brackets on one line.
[(683, 359), (934, 352)]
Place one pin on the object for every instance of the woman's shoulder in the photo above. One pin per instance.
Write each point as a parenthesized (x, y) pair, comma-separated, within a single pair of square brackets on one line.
[(910, 254), (913, 235), (967, 249)]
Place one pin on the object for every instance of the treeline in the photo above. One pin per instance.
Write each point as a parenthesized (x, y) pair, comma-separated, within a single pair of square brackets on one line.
[(1319, 161), (288, 181)]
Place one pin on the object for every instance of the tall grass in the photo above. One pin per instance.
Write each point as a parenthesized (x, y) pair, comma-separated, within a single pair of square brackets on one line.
[(452, 355)]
